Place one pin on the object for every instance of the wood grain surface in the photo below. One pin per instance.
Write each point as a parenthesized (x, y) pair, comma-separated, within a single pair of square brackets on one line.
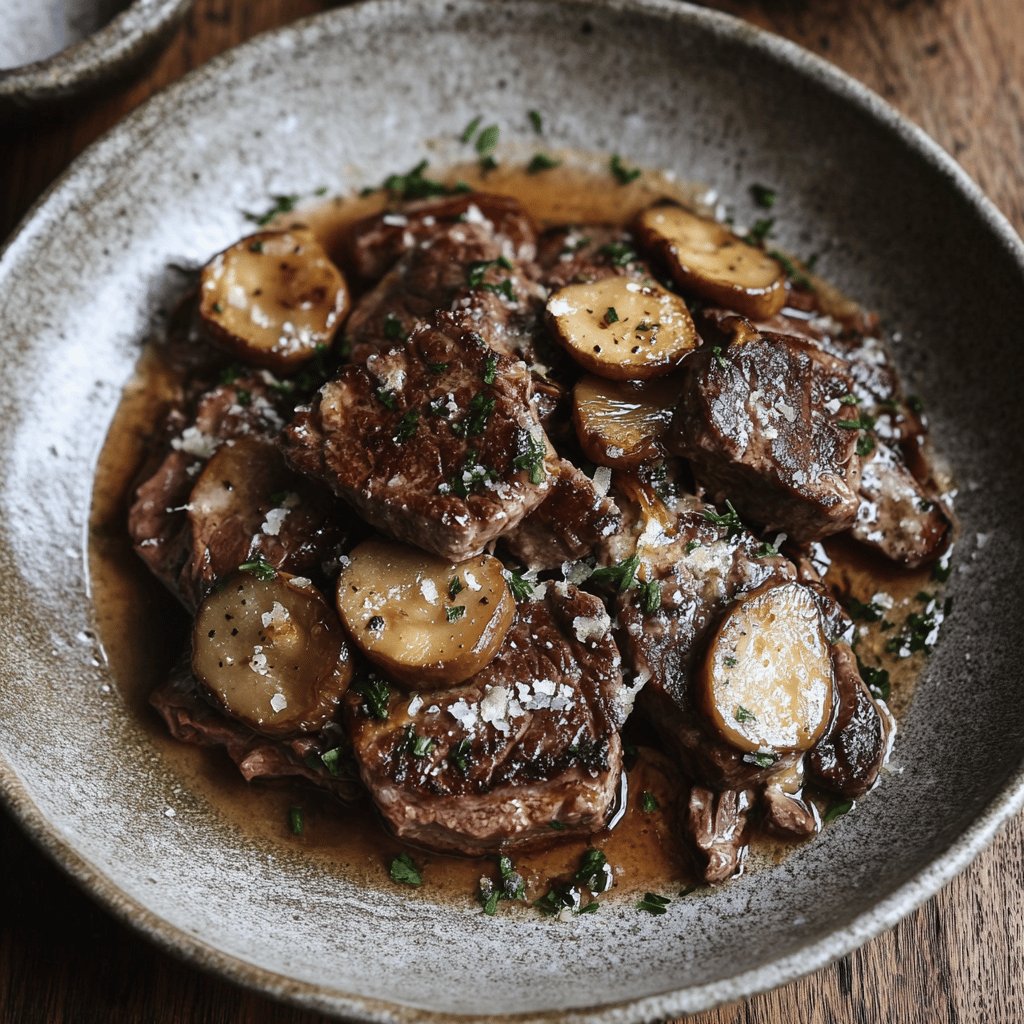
[(956, 67)]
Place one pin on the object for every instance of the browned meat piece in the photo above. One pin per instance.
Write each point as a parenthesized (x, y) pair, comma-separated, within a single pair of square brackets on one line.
[(463, 269), (898, 516), (158, 518), (436, 443), (190, 719), (787, 814), (246, 504), (376, 243), (716, 825), (763, 426), (571, 521), (848, 759), (590, 252), (530, 740)]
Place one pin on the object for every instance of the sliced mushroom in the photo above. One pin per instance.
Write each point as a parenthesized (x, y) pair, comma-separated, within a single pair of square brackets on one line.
[(422, 619), (767, 678), (273, 299), (622, 329), (621, 424), (705, 257), (271, 653)]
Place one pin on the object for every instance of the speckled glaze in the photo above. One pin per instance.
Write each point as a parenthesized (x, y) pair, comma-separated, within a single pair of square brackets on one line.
[(342, 100), (110, 51)]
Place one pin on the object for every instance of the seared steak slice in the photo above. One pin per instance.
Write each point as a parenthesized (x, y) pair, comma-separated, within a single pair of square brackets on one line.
[(190, 719), (463, 269), (764, 425), (435, 443), (588, 252), (898, 516), (157, 520), (530, 740), (376, 243), (716, 825), (849, 757), (568, 525)]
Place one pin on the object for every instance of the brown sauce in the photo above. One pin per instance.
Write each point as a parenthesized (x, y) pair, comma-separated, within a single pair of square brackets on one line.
[(142, 629)]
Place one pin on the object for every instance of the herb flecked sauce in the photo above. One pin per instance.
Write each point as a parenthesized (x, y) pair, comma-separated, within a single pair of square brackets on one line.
[(142, 629)]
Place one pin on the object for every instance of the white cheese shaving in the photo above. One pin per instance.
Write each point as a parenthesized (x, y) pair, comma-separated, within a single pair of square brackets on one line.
[(278, 702), (278, 613)]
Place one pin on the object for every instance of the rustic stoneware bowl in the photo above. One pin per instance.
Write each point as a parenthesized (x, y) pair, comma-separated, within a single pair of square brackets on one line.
[(53, 50), (343, 100)]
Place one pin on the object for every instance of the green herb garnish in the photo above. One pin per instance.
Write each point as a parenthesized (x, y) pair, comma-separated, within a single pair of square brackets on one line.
[(521, 588), (459, 755), (838, 809), (619, 576), (454, 588), (407, 426), (619, 253), (454, 612), (532, 459), (536, 121), (650, 597), (611, 316), (295, 820), (760, 230), (282, 204), (376, 696), (763, 195), (594, 872), (728, 521), (622, 174), (387, 398), (716, 351), (393, 329), (743, 716), (490, 367), (541, 162), (470, 130), (404, 871), (648, 802), (653, 903), (260, 568), (763, 759), (797, 277)]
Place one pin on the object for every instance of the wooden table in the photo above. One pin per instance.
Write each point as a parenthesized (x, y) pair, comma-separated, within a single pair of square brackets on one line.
[(956, 67)]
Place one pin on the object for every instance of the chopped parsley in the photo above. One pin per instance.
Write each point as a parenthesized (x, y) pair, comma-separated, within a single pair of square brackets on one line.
[(477, 270), (653, 903), (762, 759), (532, 459), (244, 397), (256, 246), (620, 576), (490, 367), (376, 696), (404, 871), (729, 661), (849, 400), (795, 275), (407, 426), (865, 445), (561, 896), (413, 185), (876, 679), (295, 820), (619, 253), (728, 521), (387, 398), (393, 329), (837, 810), (420, 746), (691, 546), (470, 130), (716, 351), (536, 121), (864, 611), (648, 802), (331, 760), (487, 140), (510, 886), (541, 162), (471, 476), (650, 596), (743, 716), (475, 421), (558, 826), (622, 174), (459, 755), (760, 230), (218, 307), (454, 612), (766, 550), (861, 423), (594, 872), (611, 316), (260, 568), (763, 195), (521, 588), (454, 588), (282, 204)]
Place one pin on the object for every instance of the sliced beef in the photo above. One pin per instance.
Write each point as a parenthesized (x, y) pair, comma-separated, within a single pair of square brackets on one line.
[(897, 516), (190, 719), (158, 521), (436, 443), (463, 270), (376, 243), (530, 740), (716, 824), (848, 759), (568, 525), (764, 426), (589, 252), (788, 814)]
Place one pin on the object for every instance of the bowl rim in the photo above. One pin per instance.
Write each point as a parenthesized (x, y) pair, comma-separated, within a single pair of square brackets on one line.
[(93, 59), (809, 957)]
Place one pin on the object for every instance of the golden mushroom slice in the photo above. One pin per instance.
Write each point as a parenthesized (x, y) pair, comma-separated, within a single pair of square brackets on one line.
[(270, 651), (766, 681), (273, 298), (424, 620), (707, 258), (620, 424), (622, 329)]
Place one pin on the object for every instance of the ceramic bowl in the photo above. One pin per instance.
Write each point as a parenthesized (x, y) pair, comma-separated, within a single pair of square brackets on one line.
[(54, 50), (343, 100)]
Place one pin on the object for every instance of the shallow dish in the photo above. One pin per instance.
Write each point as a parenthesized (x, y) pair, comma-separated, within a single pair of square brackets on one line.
[(343, 100), (68, 48)]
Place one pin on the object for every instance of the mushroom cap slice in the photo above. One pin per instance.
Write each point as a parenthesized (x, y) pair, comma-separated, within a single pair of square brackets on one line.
[(424, 620), (271, 653), (706, 258), (273, 299), (767, 678), (621, 424), (621, 328)]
